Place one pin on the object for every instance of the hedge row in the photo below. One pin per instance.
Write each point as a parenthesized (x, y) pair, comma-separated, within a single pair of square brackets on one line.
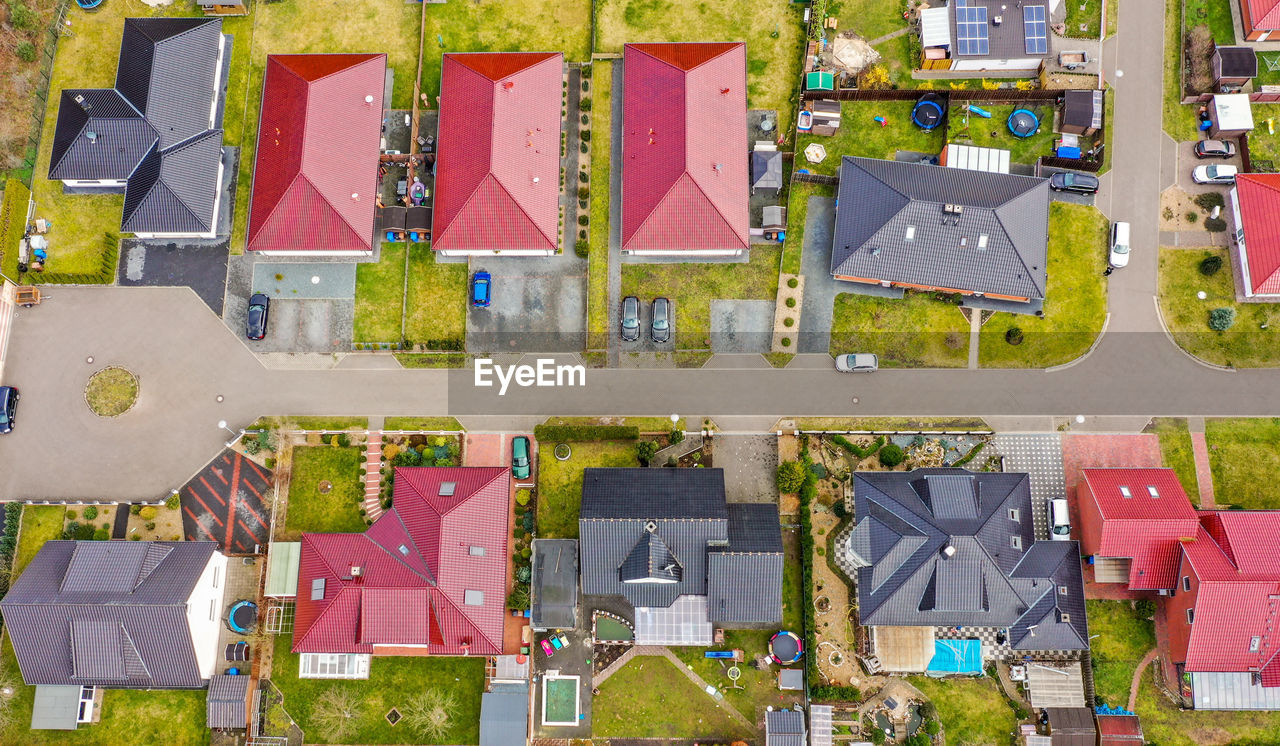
[(969, 456), (808, 491), (582, 433), (859, 451)]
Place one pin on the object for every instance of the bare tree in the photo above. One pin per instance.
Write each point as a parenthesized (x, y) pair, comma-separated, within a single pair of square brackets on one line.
[(8, 690), (430, 714), (336, 711)]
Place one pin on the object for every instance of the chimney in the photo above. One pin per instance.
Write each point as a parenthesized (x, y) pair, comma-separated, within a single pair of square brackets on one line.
[(948, 550), (356, 571), (508, 85)]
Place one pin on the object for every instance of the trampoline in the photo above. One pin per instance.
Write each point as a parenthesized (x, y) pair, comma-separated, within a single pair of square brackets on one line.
[(785, 647), (243, 617), (928, 111), (1023, 123)]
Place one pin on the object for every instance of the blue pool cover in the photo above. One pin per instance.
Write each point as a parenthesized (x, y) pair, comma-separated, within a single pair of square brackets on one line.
[(956, 656)]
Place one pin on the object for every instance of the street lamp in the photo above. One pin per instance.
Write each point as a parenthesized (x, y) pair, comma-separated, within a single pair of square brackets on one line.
[(223, 424)]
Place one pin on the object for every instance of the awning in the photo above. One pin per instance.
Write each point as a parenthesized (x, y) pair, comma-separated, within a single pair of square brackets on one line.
[(935, 27), (1232, 691), (282, 569), (974, 158), (905, 649), (1055, 686), (55, 708)]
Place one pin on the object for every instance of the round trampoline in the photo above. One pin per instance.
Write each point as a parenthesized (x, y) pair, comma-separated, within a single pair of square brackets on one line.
[(243, 617), (1023, 123), (785, 647), (928, 111)]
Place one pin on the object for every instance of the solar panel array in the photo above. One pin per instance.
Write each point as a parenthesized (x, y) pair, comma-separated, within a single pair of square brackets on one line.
[(971, 29), (1036, 29)]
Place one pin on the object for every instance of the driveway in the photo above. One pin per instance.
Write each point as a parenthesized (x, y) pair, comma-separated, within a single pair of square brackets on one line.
[(820, 288), (538, 304), (1071, 197), (741, 325), (1187, 161), (229, 502), (750, 464), (312, 303), (199, 265)]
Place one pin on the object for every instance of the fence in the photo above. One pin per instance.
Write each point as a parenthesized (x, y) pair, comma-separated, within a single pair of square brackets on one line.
[(983, 95), (815, 178), (40, 103), (1072, 164)]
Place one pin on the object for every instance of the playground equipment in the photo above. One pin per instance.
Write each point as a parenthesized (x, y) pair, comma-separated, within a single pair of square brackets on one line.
[(978, 110), (928, 111), (785, 647), (1023, 123)]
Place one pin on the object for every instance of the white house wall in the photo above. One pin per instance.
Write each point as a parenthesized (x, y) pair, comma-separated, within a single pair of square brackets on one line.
[(204, 612)]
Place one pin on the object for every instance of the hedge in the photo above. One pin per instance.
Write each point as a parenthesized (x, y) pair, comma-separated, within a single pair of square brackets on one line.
[(859, 451), (584, 433), (970, 455)]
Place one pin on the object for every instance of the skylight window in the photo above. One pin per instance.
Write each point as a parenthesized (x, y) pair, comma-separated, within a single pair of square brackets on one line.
[(1255, 644), (1015, 541), (1124, 491), (317, 589), (447, 488), (473, 598), (1151, 490), (475, 551), (403, 550)]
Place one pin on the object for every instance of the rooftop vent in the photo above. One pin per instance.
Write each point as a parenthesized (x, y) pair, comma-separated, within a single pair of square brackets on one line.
[(92, 136), (1151, 490), (1124, 491), (874, 251), (1064, 617), (650, 527), (964, 241), (948, 551), (356, 571), (997, 20), (951, 209), (447, 488), (404, 550), (911, 233)]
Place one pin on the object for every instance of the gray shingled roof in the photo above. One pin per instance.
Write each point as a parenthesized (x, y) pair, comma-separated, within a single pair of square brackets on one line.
[(504, 716), (120, 139), (636, 523), (784, 728), (167, 70), (766, 169), (1006, 41), (226, 703), (878, 201), (107, 614), (932, 555), (175, 191), (554, 589)]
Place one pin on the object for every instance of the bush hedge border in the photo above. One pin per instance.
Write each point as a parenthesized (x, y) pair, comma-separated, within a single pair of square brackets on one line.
[(585, 433)]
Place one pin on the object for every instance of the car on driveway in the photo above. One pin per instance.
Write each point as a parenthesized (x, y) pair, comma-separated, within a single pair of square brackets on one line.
[(546, 648), (480, 283), (630, 318), (1215, 149), (8, 408), (1119, 256), (660, 326), (862, 362), (1214, 174), (520, 457), (255, 322), (1069, 181)]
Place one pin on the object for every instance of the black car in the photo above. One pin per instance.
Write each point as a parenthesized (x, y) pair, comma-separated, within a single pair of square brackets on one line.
[(630, 318), (255, 323), (8, 408), (1215, 149), (660, 326), (1069, 181)]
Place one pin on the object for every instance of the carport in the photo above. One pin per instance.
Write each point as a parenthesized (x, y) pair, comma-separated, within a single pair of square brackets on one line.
[(1055, 685), (554, 589), (903, 649)]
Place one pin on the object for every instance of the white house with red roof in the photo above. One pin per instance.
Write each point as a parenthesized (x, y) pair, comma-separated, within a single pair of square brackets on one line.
[(685, 181), (429, 577), (498, 154), (1255, 206)]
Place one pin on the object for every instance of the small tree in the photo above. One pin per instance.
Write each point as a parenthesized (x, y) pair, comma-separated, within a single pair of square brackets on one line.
[(251, 445), (675, 436), (173, 502), (1210, 265), (790, 476), (1222, 319), (645, 450), (101, 535), (147, 513), (891, 455), (430, 714), (90, 513), (26, 51), (522, 497), (933, 727), (336, 711)]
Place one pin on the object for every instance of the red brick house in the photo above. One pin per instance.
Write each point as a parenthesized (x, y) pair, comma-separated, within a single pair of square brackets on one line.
[(429, 577), (1260, 18), (1255, 207), (498, 164), (1131, 521), (685, 181)]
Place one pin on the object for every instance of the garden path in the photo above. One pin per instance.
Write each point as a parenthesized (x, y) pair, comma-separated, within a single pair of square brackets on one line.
[(1204, 474), (373, 475), (1137, 677), (889, 36)]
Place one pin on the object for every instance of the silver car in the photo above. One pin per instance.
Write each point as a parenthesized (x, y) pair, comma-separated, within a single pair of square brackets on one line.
[(660, 326), (630, 318), (862, 362)]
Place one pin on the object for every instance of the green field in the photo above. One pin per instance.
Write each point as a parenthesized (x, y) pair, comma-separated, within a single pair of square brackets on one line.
[(916, 331), (338, 510), (560, 483), (1123, 638), (1245, 460), (380, 296), (40, 523), (650, 698), (972, 711), (861, 135), (1176, 453), (1248, 344)]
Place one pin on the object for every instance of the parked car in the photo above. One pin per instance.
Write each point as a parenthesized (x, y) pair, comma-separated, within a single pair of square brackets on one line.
[(8, 408), (255, 323), (563, 639), (1214, 174), (660, 326), (480, 283), (546, 648), (1215, 149), (630, 318), (863, 362), (520, 457), (1069, 181), (555, 642), (1119, 255), (1060, 516)]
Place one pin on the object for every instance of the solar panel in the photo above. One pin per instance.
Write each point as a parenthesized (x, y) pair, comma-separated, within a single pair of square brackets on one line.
[(1036, 29), (971, 29)]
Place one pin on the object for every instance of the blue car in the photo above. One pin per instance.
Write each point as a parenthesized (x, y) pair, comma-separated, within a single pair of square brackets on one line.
[(480, 289)]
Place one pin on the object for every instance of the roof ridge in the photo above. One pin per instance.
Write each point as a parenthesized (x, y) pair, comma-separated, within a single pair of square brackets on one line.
[(441, 594), (516, 202)]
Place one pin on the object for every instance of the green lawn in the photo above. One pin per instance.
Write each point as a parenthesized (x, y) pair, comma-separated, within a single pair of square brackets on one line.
[(598, 251), (380, 296), (335, 512), (421, 423), (128, 716), (692, 287), (869, 18), (1266, 76), (899, 57), (433, 359), (1216, 13), (917, 331), (994, 132), (560, 483), (1264, 146), (972, 711), (40, 523), (1246, 344), (392, 682), (770, 28), (1179, 120), (1163, 723), (1175, 451), (1075, 305), (643, 424), (860, 135), (1245, 461), (650, 698), (1086, 14), (1123, 638), (437, 302), (797, 211)]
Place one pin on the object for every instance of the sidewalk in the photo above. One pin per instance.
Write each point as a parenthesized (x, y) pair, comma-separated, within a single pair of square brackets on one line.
[(1204, 474)]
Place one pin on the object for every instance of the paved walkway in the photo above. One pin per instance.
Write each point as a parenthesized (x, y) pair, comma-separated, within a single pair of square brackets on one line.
[(975, 329), (891, 35), (1192, 239), (1204, 475), (1137, 677), (373, 476)]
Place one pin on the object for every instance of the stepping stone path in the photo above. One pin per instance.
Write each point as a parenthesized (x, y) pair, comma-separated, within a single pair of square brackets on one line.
[(373, 476)]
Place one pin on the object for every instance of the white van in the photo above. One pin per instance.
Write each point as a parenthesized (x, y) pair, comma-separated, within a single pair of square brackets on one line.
[(1119, 256), (1060, 519)]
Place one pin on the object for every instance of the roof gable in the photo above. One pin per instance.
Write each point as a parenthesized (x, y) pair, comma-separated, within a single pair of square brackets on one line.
[(168, 70), (176, 191)]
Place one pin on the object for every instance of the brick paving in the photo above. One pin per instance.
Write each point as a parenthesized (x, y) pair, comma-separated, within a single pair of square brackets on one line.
[(373, 476), (1089, 450), (229, 502), (1040, 456), (1204, 475), (1137, 677)]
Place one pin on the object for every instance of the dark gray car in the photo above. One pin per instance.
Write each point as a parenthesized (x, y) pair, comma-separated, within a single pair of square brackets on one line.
[(630, 318), (1069, 181), (660, 326), (8, 408)]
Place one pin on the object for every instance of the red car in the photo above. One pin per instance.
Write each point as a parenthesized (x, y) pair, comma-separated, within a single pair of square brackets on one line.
[(546, 648)]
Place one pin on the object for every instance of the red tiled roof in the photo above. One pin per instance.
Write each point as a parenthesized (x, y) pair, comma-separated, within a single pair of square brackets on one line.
[(499, 131), (1265, 14), (1144, 528), (1119, 728), (1259, 203), (684, 147), (416, 596), (318, 143)]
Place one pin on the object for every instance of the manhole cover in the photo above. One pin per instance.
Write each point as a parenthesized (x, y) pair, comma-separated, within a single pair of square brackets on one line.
[(393, 716), (325, 487)]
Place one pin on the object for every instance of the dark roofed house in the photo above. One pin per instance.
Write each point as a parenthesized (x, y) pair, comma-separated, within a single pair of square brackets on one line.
[(952, 548), (155, 134), (784, 728), (666, 540), (987, 35), (684, 149), (766, 167), (554, 585), (126, 615), (953, 230), (1081, 112)]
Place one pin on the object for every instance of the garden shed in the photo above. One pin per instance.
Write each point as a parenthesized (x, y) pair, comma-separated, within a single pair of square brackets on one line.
[(223, 7), (819, 80), (1233, 67), (1081, 112), (1071, 726), (1230, 115), (766, 167)]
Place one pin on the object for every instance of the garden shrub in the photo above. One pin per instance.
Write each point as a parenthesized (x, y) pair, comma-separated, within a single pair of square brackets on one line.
[(584, 104), (1013, 336), (790, 476), (1222, 319), (527, 523), (645, 450), (270, 462), (584, 433), (326, 439), (101, 535), (788, 322), (876, 735), (583, 219), (675, 436), (1209, 200), (90, 513), (582, 249), (792, 282), (251, 445), (828, 693), (172, 502), (891, 455), (790, 302), (135, 509), (786, 341), (344, 441), (147, 513), (1215, 225), (970, 455), (585, 135), (933, 727), (386, 503), (71, 515), (522, 497), (523, 573), (583, 192), (856, 450), (138, 537), (390, 451), (150, 525), (26, 51), (1145, 608), (1210, 265)]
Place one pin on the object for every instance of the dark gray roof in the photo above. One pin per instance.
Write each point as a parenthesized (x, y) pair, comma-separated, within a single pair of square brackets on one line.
[(1082, 109), (784, 728), (1006, 41), (744, 588), (504, 717), (1237, 62), (650, 560), (168, 69), (878, 201), (555, 584), (653, 493), (175, 191), (766, 169), (120, 136), (107, 614), (754, 527), (939, 548), (226, 704)]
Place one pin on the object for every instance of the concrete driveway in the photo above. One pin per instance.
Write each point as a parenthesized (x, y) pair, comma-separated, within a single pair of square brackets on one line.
[(820, 288), (645, 342), (1187, 161), (1071, 197), (750, 464), (199, 265), (305, 316), (538, 304)]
